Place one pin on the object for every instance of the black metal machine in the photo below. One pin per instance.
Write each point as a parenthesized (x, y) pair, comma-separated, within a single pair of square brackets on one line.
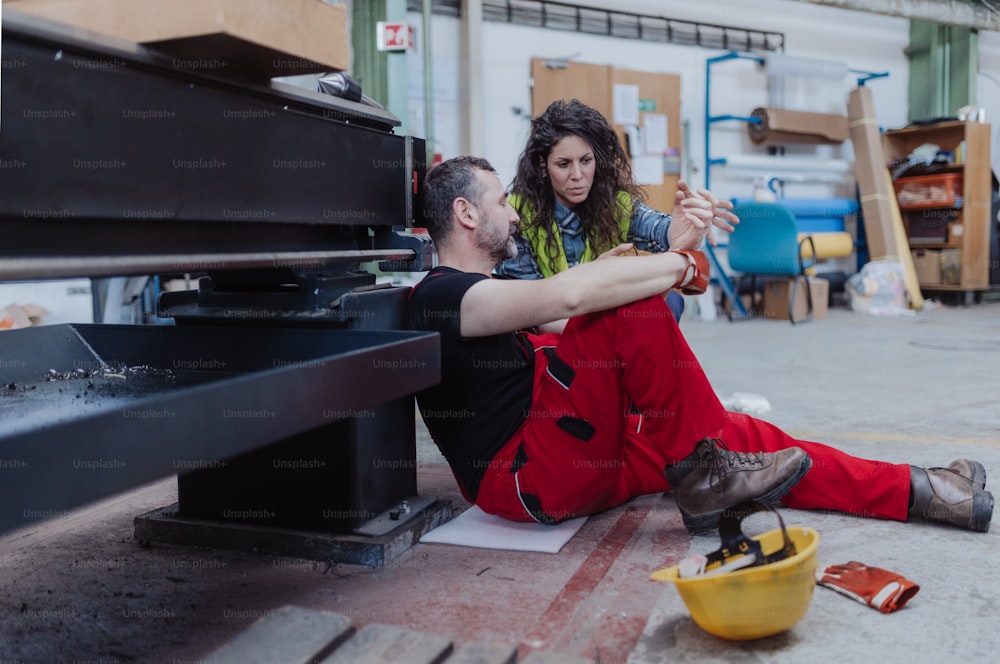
[(281, 395)]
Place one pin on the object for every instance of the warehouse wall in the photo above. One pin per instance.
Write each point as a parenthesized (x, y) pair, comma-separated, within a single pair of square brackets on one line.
[(863, 41), (988, 88), (812, 31)]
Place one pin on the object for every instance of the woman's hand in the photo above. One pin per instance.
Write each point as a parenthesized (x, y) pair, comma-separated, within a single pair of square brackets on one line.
[(624, 249), (695, 213)]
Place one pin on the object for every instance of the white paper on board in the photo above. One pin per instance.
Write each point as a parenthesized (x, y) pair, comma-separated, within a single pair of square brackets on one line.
[(648, 169), (654, 133), (625, 104)]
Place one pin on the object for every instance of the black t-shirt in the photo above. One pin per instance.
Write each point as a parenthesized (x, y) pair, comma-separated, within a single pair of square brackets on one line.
[(486, 382)]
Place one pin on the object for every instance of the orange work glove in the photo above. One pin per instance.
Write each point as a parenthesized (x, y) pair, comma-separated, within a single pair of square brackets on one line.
[(696, 276), (695, 279), (876, 587)]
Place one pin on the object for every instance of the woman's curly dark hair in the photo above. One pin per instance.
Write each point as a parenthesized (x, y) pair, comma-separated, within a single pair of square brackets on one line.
[(599, 213)]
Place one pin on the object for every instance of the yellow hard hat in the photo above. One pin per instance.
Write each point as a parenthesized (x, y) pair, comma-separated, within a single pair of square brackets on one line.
[(770, 589)]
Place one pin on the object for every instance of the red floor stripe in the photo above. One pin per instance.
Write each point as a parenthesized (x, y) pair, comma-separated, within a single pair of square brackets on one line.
[(558, 614)]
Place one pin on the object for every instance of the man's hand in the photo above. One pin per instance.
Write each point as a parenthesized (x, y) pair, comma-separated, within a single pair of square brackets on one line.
[(695, 213)]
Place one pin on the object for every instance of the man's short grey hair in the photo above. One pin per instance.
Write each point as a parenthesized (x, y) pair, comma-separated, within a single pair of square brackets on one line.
[(451, 179)]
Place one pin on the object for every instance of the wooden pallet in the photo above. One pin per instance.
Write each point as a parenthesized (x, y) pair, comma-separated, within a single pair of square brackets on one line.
[(296, 635)]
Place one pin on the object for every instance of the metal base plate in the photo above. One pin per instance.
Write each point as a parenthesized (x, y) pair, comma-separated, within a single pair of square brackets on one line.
[(395, 517), (164, 525)]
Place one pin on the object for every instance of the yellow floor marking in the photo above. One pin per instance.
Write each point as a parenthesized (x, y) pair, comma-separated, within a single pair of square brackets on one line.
[(819, 436)]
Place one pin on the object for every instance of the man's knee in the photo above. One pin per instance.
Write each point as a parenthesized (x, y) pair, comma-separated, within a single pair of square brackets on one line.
[(653, 308)]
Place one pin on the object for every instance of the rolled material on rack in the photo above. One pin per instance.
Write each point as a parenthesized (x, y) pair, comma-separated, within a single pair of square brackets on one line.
[(768, 163), (828, 245), (870, 161), (884, 232), (779, 64), (782, 126)]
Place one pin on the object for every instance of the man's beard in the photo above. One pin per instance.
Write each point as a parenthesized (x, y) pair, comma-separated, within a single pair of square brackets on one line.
[(498, 247)]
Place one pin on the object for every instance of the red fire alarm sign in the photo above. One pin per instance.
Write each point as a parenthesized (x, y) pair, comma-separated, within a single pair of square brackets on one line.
[(394, 36)]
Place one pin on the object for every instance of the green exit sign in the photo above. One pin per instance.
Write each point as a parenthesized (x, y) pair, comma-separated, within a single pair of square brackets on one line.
[(647, 105)]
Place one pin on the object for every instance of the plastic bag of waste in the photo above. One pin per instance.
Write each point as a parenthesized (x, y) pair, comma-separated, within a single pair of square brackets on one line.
[(878, 289)]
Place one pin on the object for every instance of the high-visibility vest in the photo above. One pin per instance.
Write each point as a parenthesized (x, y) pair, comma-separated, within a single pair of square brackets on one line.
[(537, 235)]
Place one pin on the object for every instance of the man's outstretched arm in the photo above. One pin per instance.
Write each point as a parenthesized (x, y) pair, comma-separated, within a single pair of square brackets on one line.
[(494, 306)]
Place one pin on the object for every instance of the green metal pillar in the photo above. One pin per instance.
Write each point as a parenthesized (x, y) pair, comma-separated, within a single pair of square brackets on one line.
[(382, 74), (943, 64)]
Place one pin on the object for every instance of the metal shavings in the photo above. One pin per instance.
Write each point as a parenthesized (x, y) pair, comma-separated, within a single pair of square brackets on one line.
[(112, 371)]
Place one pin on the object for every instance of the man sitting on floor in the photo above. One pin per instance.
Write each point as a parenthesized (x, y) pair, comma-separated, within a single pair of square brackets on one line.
[(549, 425)]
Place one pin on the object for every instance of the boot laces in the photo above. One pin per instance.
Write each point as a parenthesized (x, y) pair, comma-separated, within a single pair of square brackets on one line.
[(725, 460)]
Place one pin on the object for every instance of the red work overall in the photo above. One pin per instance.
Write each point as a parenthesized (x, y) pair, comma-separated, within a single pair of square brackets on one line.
[(584, 449)]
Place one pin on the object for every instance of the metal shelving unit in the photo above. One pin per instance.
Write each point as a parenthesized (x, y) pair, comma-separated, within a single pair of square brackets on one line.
[(738, 310)]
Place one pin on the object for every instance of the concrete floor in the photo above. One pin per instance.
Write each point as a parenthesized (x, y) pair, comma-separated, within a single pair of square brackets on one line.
[(921, 389)]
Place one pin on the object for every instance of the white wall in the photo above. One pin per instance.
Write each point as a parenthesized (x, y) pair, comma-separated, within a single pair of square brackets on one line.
[(988, 88), (66, 301), (445, 72), (863, 41)]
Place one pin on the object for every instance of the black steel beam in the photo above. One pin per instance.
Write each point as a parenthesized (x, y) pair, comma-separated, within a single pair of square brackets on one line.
[(109, 150)]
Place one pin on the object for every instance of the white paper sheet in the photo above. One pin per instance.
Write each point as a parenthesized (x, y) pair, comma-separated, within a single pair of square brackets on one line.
[(654, 133), (625, 104), (648, 169), (476, 528)]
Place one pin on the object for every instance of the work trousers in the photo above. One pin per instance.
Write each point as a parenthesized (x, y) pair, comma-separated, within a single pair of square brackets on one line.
[(618, 396)]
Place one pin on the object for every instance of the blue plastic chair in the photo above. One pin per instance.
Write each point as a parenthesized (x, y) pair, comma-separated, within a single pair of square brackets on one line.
[(766, 244)]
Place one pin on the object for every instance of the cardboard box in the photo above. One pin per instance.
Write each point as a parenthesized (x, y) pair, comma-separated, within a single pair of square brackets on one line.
[(951, 266), (265, 38), (928, 265), (777, 298), (877, 195), (752, 303), (15, 316)]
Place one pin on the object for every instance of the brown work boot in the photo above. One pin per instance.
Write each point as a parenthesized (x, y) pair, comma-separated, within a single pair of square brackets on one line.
[(952, 495), (970, 470), (713, 478)]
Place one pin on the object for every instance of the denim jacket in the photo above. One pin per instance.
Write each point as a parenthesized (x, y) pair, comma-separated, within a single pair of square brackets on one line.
[(648, 230)]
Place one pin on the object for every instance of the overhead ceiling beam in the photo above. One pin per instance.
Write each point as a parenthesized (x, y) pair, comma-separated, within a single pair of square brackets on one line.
[(948, 12)]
